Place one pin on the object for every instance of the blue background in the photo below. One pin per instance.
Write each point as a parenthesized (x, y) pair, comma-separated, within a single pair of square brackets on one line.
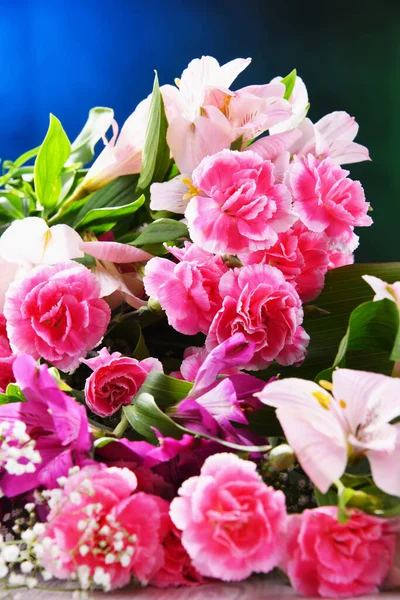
[(66, 57)]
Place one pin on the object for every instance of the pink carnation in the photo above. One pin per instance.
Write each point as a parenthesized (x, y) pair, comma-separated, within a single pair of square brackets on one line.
[(239, 207), (232, 523), (262, 305), (115, 380), (100, 531), (55, 313), (301, 255), (6, 357), (187, 291), (339, 259), (177, 568), (326, 199), (326, 558)]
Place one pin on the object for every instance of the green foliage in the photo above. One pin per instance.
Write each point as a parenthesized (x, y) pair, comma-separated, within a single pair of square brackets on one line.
[(12, 394), (359, 491), (103, 219), (166, 390), (373, 326), (162, 230), (118, 193), (144, 414), (49, 164), (289, 82), (99, 121), (327, 324), (130, 334), (155, 152)]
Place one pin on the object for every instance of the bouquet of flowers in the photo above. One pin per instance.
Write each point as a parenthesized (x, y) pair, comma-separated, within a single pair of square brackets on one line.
[(197, 383)]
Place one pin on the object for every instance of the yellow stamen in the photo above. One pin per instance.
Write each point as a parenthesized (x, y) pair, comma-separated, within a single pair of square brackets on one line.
[(323, 399), (225, 105), (177, 82), (342, 403), (46, 241), (193, 191), (327, 385)]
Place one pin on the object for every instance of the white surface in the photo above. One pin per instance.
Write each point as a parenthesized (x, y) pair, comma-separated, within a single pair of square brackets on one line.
[(259, 588)]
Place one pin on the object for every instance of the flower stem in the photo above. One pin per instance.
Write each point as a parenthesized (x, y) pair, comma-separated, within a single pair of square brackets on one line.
[(121, 427)]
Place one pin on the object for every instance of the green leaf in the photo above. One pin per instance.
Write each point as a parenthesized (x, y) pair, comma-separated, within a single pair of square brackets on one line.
[(328, 499), (49, 163), (237, 144), (108, 217), (162, 230), (11, 206), (120, 192), (21, 160), (372, 326), (344, 290), (144, 414), (166, 390), (67, 181), (99, 121), (156, 153), (128, 333), (12, 394), (103, 441), (289, 82)]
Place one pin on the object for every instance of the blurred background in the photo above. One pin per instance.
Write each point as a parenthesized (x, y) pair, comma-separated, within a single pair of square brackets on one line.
[(66, 57)]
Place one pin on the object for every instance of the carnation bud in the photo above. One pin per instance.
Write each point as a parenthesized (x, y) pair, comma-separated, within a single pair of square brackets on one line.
[(364, 501), (280, 458), (232, 261), (154, 305)]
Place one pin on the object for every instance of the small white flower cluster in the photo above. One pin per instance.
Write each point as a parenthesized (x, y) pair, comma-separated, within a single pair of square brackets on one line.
[(17, 450), (20, 557)]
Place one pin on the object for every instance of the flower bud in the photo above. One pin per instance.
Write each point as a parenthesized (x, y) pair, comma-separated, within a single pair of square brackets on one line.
[(154, 305), (280, 458)]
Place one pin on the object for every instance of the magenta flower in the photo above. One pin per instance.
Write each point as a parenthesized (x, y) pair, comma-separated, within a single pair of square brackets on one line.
[(115, 380), (232, 523), (187, 291), (333, 560), (326, 199), (56, 423), (239, 207), (301, 255), (6, 357), (160, 469), (55, 313), (355, 420), (266, 309)]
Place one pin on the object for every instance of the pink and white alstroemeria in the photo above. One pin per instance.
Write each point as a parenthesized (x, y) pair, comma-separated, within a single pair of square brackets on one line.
[(173, 195), (299, 105), (117, 285), (122, 154), (328, 429), (331, 136), (382, 290), (197, 126), (254, 109), (30, 242)]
